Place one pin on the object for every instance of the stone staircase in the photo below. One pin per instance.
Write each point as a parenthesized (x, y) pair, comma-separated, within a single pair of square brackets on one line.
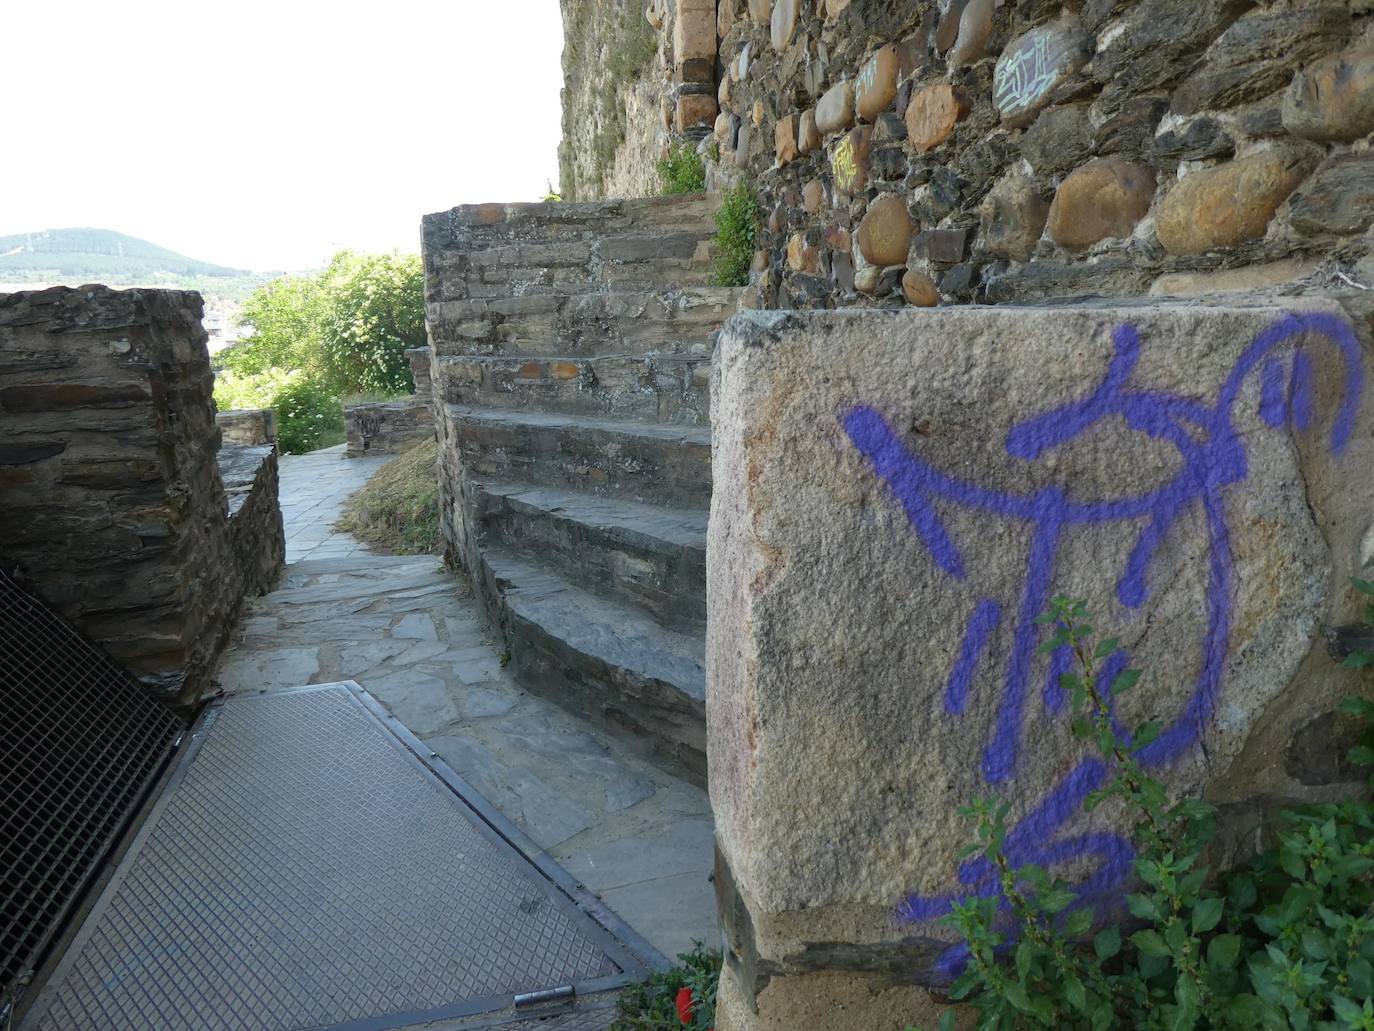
[(571, 362)]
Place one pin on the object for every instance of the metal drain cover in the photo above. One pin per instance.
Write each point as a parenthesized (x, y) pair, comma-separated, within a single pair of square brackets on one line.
[(305, 869)]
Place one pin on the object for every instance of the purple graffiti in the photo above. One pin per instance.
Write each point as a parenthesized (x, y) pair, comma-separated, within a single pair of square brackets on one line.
[(980, 627), (1213, 458)]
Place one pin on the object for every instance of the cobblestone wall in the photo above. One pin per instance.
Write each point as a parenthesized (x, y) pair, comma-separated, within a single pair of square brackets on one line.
[(980, 151), (114, 507)]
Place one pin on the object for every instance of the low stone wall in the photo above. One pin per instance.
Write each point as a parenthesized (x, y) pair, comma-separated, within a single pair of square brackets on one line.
[(251, 426), (114, 507), (420, 371), (385, 427), (897, 498), (257, 537)]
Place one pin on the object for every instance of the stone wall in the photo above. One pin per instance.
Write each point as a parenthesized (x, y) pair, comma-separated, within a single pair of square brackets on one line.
[(636, 78), (897, 497), (110, 486), (386, 427), (961, 150), (506, 285), (250, 426), (257, 536)]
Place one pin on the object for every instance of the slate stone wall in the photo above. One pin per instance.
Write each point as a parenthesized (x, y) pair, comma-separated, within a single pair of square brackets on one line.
[(113, 504), (251, 426), (386, 427), (1041, 149)]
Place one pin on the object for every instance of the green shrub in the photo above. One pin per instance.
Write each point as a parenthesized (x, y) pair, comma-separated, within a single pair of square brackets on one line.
[(737, 223), (653, 1005), (682, 171), (373, 310), (309, 412), (1286, 942), (309, 416), (347, 327)]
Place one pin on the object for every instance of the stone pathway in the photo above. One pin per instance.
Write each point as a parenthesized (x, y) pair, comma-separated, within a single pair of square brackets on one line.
[(411, 634), (320, 482)]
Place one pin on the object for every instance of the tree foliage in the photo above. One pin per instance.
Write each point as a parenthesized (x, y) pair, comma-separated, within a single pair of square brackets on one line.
[(346, 327), (321, 337)]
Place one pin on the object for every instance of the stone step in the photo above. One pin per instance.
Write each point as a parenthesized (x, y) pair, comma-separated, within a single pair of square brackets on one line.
[(476, 227), (631, 322), (605, 661), (668, 388), (650, 463), (651, 557)]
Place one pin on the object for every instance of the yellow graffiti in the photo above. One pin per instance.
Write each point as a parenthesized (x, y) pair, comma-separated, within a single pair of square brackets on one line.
[(844, 165)]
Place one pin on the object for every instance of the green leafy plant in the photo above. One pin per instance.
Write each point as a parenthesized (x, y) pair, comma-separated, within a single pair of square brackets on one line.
[(1284, 943), (316, 338), (681, 171), (372, 310), (737, 222), (309, 416), (659, 1003), (1362, 659)]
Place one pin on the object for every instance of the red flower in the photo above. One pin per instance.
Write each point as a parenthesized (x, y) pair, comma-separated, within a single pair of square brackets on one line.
[(684, 1006)]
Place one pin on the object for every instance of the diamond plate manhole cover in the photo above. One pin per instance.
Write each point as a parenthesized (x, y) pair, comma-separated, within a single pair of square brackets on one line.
[(304, 869)]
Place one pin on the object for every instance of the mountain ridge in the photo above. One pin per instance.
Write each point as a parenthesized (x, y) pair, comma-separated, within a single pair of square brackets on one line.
[(80, 250)]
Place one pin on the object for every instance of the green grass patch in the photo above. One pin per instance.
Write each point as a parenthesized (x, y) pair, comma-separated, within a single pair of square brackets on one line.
[(737, 223), (682, 171), (398, 509)]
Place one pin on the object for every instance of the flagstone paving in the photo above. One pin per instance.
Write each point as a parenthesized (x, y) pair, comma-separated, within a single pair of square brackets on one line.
[(413, 636)]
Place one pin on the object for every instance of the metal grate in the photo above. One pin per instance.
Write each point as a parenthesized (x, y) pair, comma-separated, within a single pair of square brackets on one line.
[(305, 869), (80, 743)]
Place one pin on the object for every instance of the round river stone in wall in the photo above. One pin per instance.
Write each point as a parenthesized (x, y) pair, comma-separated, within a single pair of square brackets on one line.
[(1100, 200), (877, 83), (1333, 100), (885, 232), (760, 11), (933, 113), (948, 30), (919, 289), (849, 161), (1223, 206), (1031, 66), (836, 108), (784, 23), (1012, 217), (975, 26)]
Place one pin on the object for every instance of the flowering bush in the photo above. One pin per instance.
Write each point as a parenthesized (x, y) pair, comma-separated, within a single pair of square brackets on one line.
[(309, 414)]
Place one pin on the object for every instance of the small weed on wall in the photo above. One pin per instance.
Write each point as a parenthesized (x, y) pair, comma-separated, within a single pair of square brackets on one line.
[(682, 171), (737, 224)]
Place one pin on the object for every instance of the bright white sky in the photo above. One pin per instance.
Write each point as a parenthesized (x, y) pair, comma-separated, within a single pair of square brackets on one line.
[(266, 134)]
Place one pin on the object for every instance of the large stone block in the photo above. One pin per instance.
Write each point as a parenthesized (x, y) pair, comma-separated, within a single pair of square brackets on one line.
[(898, 496)]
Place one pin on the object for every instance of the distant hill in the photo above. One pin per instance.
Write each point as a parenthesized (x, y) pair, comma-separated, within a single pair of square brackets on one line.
[(97, 254)]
